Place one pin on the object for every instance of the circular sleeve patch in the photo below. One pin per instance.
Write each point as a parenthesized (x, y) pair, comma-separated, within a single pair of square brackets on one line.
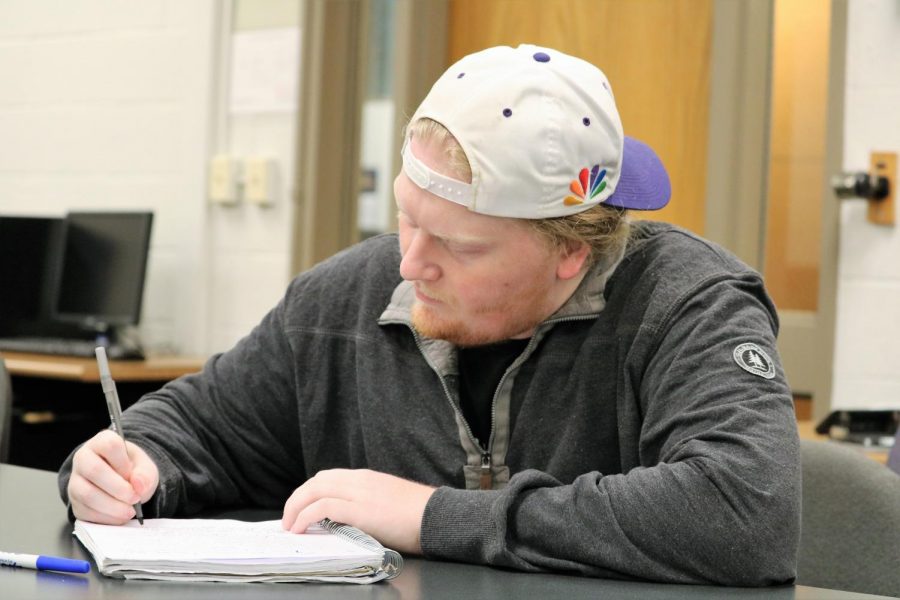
[(754, 359)]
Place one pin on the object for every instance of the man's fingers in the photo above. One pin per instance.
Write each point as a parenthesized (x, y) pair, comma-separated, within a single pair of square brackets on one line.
[(323, 485), (109, 477), (91, 503), (300, 499), (332, 508), (111, 447), (97, 471), (386, 507)]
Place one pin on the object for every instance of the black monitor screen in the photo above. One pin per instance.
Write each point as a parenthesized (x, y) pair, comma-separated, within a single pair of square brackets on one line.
[(30, 250), (102, 277)]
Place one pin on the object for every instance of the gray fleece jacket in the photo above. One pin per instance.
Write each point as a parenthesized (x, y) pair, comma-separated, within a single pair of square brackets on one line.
[(646, 431)]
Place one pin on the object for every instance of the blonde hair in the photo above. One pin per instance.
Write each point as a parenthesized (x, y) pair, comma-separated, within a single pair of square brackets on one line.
[(605, 229), (430, 130)]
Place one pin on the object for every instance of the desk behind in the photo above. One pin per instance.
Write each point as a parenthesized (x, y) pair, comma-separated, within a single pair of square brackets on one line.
[(159, 369), (58, 402), (807, 431), (33, 520)]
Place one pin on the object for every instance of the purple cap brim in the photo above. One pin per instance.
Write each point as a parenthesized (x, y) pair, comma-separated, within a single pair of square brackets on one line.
[(643, 183)]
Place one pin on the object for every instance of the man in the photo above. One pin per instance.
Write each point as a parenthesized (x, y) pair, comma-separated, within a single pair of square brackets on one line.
[(528, 381)]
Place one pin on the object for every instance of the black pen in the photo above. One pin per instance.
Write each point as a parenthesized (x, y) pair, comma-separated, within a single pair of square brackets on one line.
[(115, 409)]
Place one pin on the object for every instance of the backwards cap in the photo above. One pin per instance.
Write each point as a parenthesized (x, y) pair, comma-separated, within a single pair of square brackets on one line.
[(542, 135)]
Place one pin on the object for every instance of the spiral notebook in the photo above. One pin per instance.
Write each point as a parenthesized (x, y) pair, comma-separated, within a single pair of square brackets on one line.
[(225, 550)]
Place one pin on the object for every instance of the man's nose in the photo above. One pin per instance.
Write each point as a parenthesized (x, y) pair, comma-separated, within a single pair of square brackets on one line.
[(417, 263)]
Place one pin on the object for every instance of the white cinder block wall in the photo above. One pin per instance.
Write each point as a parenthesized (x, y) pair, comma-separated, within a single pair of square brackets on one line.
[(250, 246), (867, 340), (112, 105)]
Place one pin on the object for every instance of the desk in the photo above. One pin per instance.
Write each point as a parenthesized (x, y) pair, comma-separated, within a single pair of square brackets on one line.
[(58, 402), (807, 430), (158, 369), (33, 520)]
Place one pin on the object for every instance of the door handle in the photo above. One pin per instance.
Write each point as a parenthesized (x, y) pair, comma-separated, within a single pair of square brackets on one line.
[(878, 187), (860, 185)]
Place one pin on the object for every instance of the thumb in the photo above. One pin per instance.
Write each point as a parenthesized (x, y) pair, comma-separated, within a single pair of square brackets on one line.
[(144, 485), (139, 484), (145, 475)]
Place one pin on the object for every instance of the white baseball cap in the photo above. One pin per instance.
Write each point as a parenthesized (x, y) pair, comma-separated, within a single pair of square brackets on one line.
[(542, 135)]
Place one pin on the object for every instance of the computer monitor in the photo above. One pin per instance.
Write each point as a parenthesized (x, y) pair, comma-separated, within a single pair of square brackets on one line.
[(104, 261), (30, 254)]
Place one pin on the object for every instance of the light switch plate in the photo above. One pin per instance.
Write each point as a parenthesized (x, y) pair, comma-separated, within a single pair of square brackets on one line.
[(259, 175), (222, 184)]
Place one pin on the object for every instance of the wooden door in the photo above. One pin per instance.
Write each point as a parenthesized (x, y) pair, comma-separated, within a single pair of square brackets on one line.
[(656, 54), (796, 199)]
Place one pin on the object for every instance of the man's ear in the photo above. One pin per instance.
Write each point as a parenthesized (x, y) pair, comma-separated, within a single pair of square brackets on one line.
[(573, 259)]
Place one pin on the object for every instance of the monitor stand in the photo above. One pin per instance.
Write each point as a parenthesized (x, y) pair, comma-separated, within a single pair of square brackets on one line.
[(122, 342)]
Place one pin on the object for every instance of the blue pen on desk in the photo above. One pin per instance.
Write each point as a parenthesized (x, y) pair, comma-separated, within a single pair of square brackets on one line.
[(44, 563), (115, 409)]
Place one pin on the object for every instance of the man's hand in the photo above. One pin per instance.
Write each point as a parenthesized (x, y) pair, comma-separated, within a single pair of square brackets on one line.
[(106, 481), (388, 508)]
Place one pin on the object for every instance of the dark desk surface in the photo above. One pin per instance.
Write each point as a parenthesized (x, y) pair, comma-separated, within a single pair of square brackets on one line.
[(33, 520)]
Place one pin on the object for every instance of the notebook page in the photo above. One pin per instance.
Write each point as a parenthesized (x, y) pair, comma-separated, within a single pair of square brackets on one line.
[(217, 539)]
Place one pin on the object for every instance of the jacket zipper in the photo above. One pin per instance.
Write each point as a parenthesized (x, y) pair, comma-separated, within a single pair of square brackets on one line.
[(486, 481), (449, 397), (487, 477), (529, 348)]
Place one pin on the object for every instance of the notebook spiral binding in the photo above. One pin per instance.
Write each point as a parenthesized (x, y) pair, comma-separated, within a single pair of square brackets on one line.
[(392, 562)]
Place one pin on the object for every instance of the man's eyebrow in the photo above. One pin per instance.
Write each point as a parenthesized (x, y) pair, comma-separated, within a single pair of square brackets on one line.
[(463, 239), (456, 238), (445, 237)]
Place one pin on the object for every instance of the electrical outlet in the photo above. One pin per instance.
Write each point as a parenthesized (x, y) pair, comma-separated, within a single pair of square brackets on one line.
[(259, 175), (222, 180)]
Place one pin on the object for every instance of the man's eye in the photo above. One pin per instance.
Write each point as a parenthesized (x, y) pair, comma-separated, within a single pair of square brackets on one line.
[(464, 249)]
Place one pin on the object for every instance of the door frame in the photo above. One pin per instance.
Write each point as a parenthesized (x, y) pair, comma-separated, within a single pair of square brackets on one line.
[(332, 88), (823, 357), (332, 82), (737, 146), (737, 175)]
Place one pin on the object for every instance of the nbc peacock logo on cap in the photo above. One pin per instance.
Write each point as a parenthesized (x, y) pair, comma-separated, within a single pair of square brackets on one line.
[(587, 186)]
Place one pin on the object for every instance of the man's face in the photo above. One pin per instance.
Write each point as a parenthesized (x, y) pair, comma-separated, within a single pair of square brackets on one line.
[(478, 279)]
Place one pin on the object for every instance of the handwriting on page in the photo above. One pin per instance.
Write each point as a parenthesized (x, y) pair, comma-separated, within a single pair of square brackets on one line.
[(222, 539)]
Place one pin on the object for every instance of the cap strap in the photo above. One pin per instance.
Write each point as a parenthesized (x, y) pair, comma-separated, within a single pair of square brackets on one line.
[(431, 181)]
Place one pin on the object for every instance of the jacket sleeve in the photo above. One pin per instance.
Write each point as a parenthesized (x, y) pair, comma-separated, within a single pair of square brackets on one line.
[(716, 495), (231, 429)]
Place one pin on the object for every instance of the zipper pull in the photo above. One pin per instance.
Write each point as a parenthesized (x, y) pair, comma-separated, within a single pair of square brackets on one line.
[(487, 478)]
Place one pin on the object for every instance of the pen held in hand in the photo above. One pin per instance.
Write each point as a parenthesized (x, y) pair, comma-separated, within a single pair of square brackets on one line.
[(115, 409)]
